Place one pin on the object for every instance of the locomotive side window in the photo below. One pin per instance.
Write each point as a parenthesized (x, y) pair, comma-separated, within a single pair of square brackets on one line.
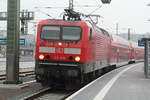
[(71, 33), (50, 32), (90, 37)]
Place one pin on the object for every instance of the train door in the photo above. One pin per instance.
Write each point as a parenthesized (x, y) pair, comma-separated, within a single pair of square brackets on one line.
[(90, 51), (117, 55)]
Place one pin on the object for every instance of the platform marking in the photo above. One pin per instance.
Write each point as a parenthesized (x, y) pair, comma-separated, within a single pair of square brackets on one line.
[(107, 87)]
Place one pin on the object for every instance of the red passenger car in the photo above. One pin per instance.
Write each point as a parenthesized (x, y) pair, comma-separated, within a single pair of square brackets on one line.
[(121, 51), (137, 53)]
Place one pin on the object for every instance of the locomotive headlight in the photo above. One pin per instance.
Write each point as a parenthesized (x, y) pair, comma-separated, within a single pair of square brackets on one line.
[(77, 58), (60, 44), (41, 57)]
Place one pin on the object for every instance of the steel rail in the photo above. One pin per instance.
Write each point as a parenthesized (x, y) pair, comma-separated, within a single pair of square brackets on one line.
[(36, 94)]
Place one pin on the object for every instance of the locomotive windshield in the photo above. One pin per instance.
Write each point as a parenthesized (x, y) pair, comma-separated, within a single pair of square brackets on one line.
[(72, 33), (50, 32)]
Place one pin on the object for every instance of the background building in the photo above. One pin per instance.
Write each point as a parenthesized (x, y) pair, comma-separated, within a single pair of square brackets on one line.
[(26, 49), (135, 37)]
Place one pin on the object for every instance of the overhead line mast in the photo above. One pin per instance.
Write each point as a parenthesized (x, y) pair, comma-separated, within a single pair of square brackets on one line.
[(71, 4)]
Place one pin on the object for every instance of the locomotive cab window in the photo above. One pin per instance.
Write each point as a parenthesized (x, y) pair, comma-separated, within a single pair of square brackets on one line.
[(71, 33), (50, 32)]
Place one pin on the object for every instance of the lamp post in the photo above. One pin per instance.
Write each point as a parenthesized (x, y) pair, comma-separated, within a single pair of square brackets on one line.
[(117, 28), (148, 5)]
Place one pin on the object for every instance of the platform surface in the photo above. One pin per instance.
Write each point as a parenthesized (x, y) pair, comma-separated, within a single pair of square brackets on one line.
[(16, 92), (125, 83)]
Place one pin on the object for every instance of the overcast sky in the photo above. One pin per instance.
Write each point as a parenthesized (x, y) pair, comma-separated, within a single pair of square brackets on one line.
[(127, 13)]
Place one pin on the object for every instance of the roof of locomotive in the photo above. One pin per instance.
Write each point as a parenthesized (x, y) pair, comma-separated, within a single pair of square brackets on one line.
[(64, 22), (69, 22)]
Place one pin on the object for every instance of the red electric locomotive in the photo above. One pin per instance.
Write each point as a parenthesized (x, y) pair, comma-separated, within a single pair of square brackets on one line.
[(67, 50)]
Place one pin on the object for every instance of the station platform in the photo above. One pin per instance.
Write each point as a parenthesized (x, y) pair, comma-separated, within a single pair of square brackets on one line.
[(20, 91), (125, 83)]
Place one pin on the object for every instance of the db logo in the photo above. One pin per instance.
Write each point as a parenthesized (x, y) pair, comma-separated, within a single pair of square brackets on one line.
[(59, 50)]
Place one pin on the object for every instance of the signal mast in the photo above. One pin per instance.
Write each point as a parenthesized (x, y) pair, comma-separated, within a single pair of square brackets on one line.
[(71, 4)]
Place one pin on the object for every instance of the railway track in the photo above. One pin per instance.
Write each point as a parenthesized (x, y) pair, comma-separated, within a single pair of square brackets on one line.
[(55, 95), (48, 94), (45, 93), (35, 94)]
